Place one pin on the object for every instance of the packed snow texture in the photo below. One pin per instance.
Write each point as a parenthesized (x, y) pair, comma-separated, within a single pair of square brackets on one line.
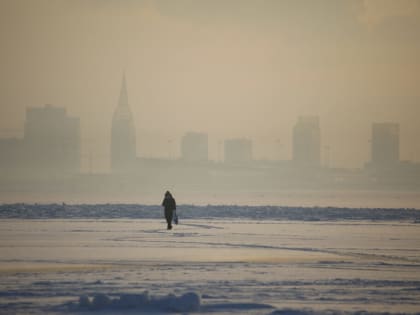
[(137, 211), (221, 266)]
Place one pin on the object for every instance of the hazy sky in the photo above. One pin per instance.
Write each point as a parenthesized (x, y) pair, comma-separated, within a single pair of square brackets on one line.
[(226, 67)]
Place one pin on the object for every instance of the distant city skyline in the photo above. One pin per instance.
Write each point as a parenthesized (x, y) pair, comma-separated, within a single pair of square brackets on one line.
[(228, 68), (173, 144), (55, 138)]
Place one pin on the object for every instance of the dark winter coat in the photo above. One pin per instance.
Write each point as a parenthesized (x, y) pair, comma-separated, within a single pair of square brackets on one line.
[(169, 203)]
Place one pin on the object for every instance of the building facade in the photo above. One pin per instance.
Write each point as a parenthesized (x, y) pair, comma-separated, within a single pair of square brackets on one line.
[(51, 139), (385, 144), (123, 134), (307, 142)]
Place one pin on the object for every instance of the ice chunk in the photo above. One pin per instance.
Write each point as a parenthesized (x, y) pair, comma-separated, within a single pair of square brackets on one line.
[(189, 302), (100, 301), (133, 300), (84, 301)]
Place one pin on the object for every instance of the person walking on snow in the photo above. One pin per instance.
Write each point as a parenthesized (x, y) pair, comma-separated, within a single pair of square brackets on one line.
[(170, 206)]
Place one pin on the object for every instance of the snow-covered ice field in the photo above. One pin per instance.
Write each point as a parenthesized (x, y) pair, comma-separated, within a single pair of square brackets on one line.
[(267, 260)]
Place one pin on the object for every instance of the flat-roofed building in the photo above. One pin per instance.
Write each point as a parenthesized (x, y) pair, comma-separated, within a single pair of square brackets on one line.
[(51, 139), (385, 144), (307, 142)]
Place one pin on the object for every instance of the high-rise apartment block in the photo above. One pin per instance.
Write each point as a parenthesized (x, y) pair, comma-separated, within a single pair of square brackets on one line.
[(307, 142), (385, 144), (51, 139)]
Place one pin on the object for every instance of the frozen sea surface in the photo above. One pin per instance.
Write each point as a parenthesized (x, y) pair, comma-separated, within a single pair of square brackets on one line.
[(137, 211), (328, 262)]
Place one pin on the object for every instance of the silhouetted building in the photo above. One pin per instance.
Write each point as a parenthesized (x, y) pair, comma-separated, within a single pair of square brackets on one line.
[(238, 151), (12, 155), (385, 144), (194, 147), (123, 134), (307, 142), (51, 140)]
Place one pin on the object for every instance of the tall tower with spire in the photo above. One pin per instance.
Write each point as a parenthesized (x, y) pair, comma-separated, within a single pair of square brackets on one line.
[(123, 134)]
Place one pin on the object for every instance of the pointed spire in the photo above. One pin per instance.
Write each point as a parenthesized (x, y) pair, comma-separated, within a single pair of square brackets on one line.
[(123, 100)]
